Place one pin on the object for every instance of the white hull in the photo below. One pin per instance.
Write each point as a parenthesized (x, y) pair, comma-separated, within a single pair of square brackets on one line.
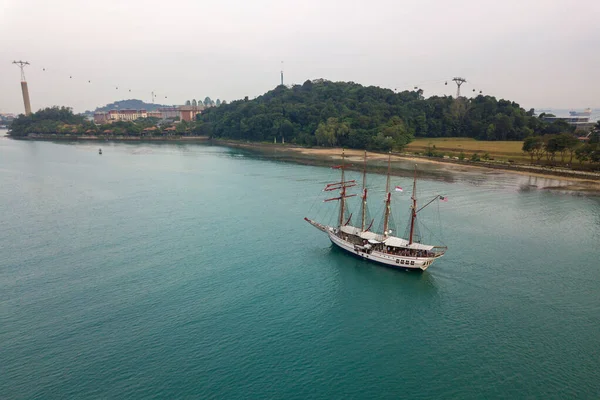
[(390, 260)]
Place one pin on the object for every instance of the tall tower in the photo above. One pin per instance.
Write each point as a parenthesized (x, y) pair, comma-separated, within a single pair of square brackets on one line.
[(459, 81), (282, 73), (24, 89)]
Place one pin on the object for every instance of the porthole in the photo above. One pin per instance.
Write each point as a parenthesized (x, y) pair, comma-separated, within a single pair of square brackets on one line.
[(412, 263)]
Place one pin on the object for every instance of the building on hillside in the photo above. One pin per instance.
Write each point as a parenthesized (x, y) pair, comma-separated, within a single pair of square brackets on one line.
[(100, 117), (168, 112), (185, 113), (188, 113), (126, 115)]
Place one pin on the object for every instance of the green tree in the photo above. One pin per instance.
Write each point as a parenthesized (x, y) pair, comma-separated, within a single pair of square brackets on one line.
[(583, 153), (552, 145), (569, 144), (490, 132), (381, 143), (396, 130), (331, 132), (182, 127), (532, 145)]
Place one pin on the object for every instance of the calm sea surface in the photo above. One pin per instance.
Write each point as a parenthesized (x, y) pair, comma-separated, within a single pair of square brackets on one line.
[(170, 271)]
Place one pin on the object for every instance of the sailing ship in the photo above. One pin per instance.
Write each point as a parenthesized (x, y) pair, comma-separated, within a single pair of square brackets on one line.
[(379, 247)]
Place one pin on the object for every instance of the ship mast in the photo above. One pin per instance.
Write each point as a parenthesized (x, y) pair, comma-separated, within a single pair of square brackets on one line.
[(341, 186), (388, 198), (342, 191), (363, 211), (413, 213)]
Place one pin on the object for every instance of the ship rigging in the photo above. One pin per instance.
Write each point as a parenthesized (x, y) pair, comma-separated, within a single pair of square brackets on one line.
[(379, 247)]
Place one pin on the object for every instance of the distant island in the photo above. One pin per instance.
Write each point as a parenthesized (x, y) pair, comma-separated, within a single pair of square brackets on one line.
[(322, 113)]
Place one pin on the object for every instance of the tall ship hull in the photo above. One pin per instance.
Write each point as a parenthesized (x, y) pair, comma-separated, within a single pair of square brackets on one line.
[(418, 260), (380, 248)]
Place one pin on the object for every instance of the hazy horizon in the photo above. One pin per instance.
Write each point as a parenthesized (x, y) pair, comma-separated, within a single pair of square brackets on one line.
[(540, 55)]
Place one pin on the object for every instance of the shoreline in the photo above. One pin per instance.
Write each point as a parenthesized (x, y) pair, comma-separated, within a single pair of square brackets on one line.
[(91, 138), (576, 181)]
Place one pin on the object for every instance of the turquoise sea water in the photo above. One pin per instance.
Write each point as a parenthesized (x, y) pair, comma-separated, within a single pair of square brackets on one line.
[(171, 271)]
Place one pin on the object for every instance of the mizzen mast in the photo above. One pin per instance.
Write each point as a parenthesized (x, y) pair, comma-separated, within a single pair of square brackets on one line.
[(388, 199)]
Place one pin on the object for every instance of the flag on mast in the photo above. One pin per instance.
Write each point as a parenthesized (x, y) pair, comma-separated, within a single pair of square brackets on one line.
[(398, 189)]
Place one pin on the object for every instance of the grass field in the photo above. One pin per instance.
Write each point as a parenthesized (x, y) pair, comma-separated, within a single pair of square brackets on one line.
[(452, 147)]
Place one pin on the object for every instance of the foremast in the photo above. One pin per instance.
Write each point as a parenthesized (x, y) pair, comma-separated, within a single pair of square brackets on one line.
[(388, 200), (342, 185)]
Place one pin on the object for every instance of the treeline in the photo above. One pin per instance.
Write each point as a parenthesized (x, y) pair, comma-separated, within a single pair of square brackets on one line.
[(62, 121), (48, 120), (208, 102), (347, 114), (146, 127), (565, 145)]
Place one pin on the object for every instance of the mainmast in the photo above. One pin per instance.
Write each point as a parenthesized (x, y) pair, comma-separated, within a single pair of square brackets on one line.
[(388, 198), (413, 213), (363, 211)]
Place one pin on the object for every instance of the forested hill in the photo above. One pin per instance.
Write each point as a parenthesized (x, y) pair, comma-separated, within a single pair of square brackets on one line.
[(131, 104), (351, 115)]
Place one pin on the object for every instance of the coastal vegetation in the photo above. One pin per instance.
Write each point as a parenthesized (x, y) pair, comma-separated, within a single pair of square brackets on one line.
[(47, 121), (346, 114), (62, 121), (564, 145), (549, 149)]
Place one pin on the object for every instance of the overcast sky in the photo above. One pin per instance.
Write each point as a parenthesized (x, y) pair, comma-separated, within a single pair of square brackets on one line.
[(538, 53)]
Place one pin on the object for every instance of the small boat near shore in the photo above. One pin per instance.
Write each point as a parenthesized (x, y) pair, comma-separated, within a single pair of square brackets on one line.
[(379, 247)]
